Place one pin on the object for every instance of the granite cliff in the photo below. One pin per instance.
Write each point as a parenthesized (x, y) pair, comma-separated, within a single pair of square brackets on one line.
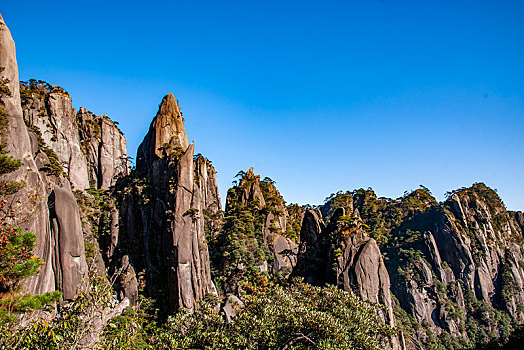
[(454, 266), (71, 156), (165, 209), (342, 254), (45, 202), (447, 274)]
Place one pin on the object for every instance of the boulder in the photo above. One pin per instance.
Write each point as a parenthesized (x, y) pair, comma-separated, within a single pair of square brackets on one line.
[(232, 307)]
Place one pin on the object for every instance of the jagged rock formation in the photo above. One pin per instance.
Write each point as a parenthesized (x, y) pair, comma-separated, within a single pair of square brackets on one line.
[(66, 229), (482, 242), (90, 149), (50, 111), (45, 200), (105, 148), (342, 254), (452, 270), (448, 261), (166, 208), (270, 218)]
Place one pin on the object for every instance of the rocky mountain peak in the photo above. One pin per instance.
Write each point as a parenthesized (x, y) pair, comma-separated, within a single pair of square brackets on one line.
[(172, 223), (170, 107), (166, 134), (448, 274), (251, 173), (169, 126)]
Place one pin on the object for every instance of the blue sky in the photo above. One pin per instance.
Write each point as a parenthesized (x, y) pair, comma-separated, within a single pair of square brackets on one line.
[(319, 96)]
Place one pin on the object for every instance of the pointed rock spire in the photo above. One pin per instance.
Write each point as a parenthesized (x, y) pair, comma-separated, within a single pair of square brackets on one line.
[(169, 126), (166, 133)]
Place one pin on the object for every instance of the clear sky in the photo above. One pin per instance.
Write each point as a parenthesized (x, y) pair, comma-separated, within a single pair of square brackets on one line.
[(320, 96)]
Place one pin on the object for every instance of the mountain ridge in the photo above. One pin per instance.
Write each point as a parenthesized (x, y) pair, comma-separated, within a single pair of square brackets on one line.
[(447, 274)]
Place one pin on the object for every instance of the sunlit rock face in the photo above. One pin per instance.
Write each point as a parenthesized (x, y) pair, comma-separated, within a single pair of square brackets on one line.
[(45, 205), (104, 147), (91, 149), (165, 211)]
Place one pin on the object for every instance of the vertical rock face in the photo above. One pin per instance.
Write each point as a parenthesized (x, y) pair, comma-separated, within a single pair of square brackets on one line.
[(16, 129), (105, 148), (342, 254), (49, 110), (166, 210), (113, 161), (66, 226), (449, 263), (91, 149), (46, 199), (488, 242), (311, 248)]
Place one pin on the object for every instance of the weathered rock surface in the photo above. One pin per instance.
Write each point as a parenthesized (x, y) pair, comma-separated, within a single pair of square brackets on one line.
[(53, 114), (71, 267), (105, 147), (232, 307), (166, 133), (342, 254), (127, 281), (449, 263), (46, 200), (166, 211), (488, 242), (90, 149), (311, 248)]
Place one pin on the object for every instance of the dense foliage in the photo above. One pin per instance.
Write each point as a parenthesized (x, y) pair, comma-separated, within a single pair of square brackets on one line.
[(77, 325), (240, 244), (297, 316), (274, 316)]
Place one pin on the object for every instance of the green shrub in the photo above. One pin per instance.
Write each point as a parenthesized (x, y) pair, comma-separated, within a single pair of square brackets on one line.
[(299, 316)]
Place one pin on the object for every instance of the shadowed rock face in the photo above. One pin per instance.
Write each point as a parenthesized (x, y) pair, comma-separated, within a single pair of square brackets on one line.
[(486, 247), (342, 254), (443, 259), (46, 199), (470, 239), (170, 221), (127, 281), (311, 248)]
